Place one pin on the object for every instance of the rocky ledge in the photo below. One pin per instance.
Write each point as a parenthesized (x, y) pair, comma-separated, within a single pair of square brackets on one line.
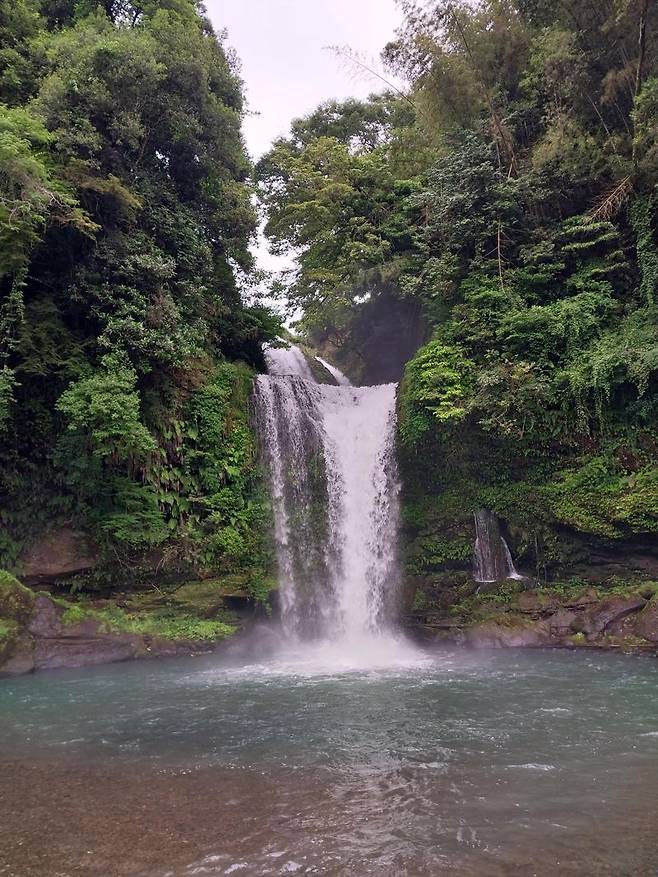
[(625, 619), (41, 632)]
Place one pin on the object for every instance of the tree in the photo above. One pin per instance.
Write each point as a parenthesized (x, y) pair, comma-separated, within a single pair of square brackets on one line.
[(125, 224), (338, 201)]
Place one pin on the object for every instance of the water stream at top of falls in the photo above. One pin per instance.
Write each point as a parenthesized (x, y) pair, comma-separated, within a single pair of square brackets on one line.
[(329, 454)]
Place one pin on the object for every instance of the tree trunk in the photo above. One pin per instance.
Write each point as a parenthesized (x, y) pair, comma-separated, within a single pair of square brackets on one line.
[(642, 42)]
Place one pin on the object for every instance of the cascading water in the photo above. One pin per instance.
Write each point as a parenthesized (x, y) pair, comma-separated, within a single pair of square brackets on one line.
[(329, 451), (287, 361), (492, 559)]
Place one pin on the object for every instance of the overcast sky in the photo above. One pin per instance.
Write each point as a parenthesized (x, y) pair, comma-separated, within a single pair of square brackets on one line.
[(286, 70)]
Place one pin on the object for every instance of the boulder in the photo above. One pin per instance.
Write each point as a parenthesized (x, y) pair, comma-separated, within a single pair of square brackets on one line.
[(595, 621), (561, 622), (57, 554), (45, 621), (646, 623), (21, 660), (494, 635), (16, 601)]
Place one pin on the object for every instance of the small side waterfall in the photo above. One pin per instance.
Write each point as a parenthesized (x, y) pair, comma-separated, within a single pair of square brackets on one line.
[(492, 560), (329, 452), (337, 374)]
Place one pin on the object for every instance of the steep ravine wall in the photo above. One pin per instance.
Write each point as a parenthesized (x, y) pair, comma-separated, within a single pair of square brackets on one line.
[(95, 599), (380, 337), (592, 532), (582, 589)]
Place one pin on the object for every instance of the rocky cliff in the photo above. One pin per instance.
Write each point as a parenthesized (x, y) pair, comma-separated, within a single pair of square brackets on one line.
[(572, 615), (42, 632)]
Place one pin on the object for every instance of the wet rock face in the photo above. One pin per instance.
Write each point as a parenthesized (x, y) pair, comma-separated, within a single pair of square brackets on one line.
[(561, 623), (46, 619), (557, 618), (77, 650), (608, 612), (646, 624), (75, 645), (384, 335), (58, 553), (494, 635), (21, 660)]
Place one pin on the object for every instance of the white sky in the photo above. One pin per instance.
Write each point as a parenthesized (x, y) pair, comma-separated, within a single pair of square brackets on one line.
[(281, 44)]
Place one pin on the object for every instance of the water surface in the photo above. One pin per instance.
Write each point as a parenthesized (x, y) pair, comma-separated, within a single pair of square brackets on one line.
[(478, 764)]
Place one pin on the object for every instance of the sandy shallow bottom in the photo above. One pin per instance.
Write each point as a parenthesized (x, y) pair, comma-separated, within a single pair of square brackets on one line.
[(94, 821)]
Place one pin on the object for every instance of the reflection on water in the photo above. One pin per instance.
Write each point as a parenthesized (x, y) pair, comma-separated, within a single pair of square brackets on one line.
[(476, 764)]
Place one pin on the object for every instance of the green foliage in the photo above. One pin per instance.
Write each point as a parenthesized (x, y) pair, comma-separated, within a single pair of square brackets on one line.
[(74, 613), (642, 216), (166, 624), (559, 329), (436, 389), (7, 381), (336, 192), (191, 486), (104, 410), (644, 115), (129, 515), (161, 622), (125, 224), (598, 498), (230, 512), (429, 553), (31, 194)]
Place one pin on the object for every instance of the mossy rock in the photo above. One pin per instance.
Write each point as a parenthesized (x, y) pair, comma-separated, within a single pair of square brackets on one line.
[(9, 633), (74, 614), (165, 623), (321, 374), (178, 626), (208, 595), (16, 601)]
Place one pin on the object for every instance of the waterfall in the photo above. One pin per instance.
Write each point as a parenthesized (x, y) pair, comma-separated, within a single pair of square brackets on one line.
[(329, 454), (336, 373), (492, 559), (287, 361)]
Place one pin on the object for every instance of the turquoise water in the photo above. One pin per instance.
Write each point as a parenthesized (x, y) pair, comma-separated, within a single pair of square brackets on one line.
[(470, 763)]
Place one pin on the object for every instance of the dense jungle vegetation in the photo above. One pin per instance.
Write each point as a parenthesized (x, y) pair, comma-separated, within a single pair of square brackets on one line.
[(509, 198), (126, 351), (499, 210)]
